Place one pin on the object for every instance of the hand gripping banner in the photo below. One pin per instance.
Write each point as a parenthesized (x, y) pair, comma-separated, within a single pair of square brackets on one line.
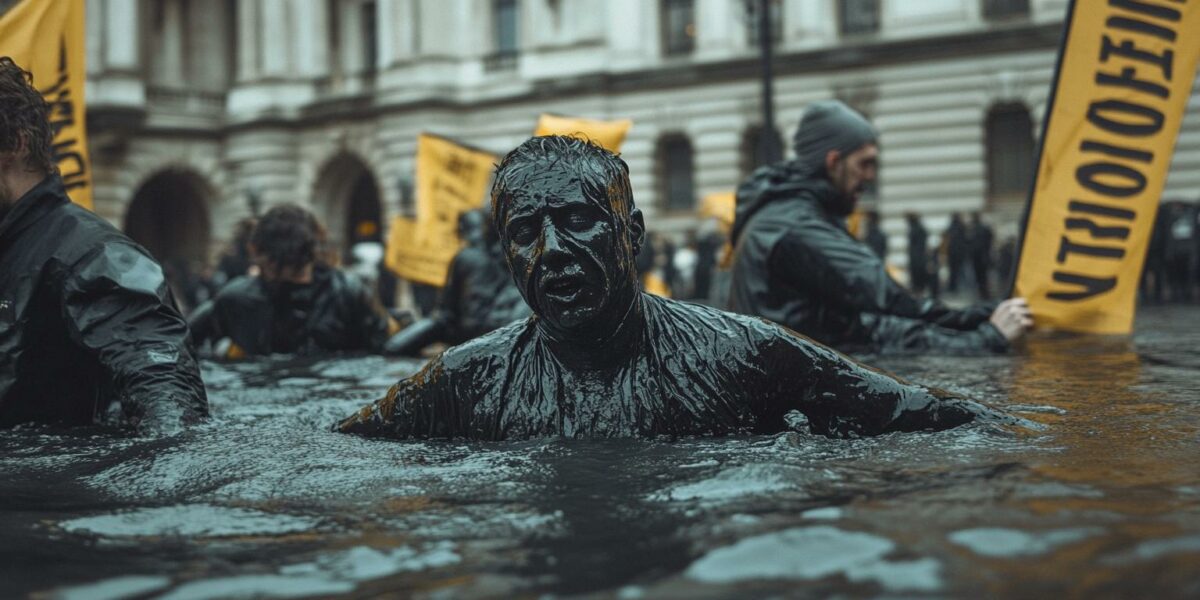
[(46, 38), (1122, 84), (452, 178)]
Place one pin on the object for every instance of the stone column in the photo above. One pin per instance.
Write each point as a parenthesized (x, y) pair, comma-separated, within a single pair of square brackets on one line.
[(274, 31), (247, 36), (310, 39)]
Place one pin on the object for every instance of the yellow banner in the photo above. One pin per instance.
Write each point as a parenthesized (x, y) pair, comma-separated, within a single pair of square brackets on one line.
[(451, 179), (609, 134), (46, 38), (1123, 80)]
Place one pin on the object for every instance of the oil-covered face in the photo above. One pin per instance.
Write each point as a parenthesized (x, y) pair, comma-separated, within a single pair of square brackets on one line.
[(569, 257)]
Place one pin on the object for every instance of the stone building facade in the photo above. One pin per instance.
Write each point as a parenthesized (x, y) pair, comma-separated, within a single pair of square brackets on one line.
[(201, 111)]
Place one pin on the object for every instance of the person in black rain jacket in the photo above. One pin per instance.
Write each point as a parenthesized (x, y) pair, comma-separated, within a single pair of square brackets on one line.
[(479, 296), (298, 304), (794, 262), (87, 323)]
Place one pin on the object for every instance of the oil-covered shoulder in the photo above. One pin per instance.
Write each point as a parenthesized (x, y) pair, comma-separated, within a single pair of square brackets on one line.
[(698, 324), (492, 349)]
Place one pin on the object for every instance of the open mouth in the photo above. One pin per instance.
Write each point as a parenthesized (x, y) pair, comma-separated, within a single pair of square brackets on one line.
[(563, 290)]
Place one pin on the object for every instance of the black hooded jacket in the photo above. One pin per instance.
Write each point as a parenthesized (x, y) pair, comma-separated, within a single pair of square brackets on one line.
[(336, 312), (86, 322), (794, 263)]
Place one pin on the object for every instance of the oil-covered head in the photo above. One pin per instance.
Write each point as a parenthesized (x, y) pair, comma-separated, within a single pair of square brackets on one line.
[(564, 211)]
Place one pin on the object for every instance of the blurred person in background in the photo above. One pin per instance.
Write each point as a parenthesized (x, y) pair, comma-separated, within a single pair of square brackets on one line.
[(955, 242), (298, 304), (1154, 269), (979, 240), (479, 295), (89, 329), (235, 259), (918, 254), (1179, 249), (794, 262), (875, 238)]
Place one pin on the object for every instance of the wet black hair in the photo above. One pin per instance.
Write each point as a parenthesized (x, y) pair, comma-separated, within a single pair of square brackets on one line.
[(24, 118), (287, 236), (604, 175)]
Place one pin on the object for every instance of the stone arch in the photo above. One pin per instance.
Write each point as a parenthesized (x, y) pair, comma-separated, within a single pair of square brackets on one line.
[(348, 199), (169, 214)]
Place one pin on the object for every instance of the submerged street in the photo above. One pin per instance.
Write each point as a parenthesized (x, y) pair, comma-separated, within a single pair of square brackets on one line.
[(266, 502)]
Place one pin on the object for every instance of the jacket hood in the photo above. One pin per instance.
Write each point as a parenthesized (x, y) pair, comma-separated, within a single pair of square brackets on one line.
[(773, 182)]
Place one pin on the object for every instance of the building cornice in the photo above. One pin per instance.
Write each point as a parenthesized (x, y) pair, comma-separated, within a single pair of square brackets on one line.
[(856, 54)]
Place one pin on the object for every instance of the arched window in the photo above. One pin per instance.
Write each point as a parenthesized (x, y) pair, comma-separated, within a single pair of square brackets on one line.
[(753, 154), (676, 186), (1009, 139)]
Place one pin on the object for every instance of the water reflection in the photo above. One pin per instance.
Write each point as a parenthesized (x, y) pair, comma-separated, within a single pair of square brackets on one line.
[(1104, 501)]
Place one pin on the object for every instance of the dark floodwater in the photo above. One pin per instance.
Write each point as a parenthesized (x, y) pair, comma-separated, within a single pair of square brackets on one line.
[(265, 503)]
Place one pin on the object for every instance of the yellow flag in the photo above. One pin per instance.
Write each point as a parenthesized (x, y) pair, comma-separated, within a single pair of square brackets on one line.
[(608, 134), (451, 179), (1123, 80), (46, 38)]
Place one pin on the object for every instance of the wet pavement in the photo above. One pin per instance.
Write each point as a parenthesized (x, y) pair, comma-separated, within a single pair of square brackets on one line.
[(264, 502)]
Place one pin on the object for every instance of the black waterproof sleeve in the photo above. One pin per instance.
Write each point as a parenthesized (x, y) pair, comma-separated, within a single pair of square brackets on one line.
[(117, 306), (824, 258), (844, 398)]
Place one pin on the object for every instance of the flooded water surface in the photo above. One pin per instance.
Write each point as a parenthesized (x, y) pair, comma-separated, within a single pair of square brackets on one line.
[(265, 502)]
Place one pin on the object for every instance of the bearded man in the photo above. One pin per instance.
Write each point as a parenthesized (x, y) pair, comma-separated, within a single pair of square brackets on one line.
[(796, 264)]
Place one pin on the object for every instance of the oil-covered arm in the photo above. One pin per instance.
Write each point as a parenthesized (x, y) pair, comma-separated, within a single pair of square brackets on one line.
[(844, 398), (117, 306), (421, 406)]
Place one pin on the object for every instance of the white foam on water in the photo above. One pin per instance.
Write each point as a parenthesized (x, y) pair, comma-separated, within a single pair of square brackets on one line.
[(1010, 543), (189, 520), (258, 586), (117, 588), (825, 513), (811, 553), (735, 482)]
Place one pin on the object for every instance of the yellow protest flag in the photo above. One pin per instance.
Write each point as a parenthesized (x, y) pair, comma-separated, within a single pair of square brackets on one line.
[(609, 134), (451, 179), (46, 38), (1123, 79)]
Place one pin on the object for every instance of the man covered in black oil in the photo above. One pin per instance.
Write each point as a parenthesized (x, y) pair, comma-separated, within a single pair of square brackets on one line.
[(600, 358)]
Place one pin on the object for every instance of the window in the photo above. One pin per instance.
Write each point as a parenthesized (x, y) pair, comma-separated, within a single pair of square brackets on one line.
[(753, 154), (1003, 9), (858, 17), (370, 40), (678, 27), (1009, 140), (675, 174), (504, 36), (775, 9)]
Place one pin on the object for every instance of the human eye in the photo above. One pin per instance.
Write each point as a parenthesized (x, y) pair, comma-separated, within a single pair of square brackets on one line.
[(522, 231), (581, 219)]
